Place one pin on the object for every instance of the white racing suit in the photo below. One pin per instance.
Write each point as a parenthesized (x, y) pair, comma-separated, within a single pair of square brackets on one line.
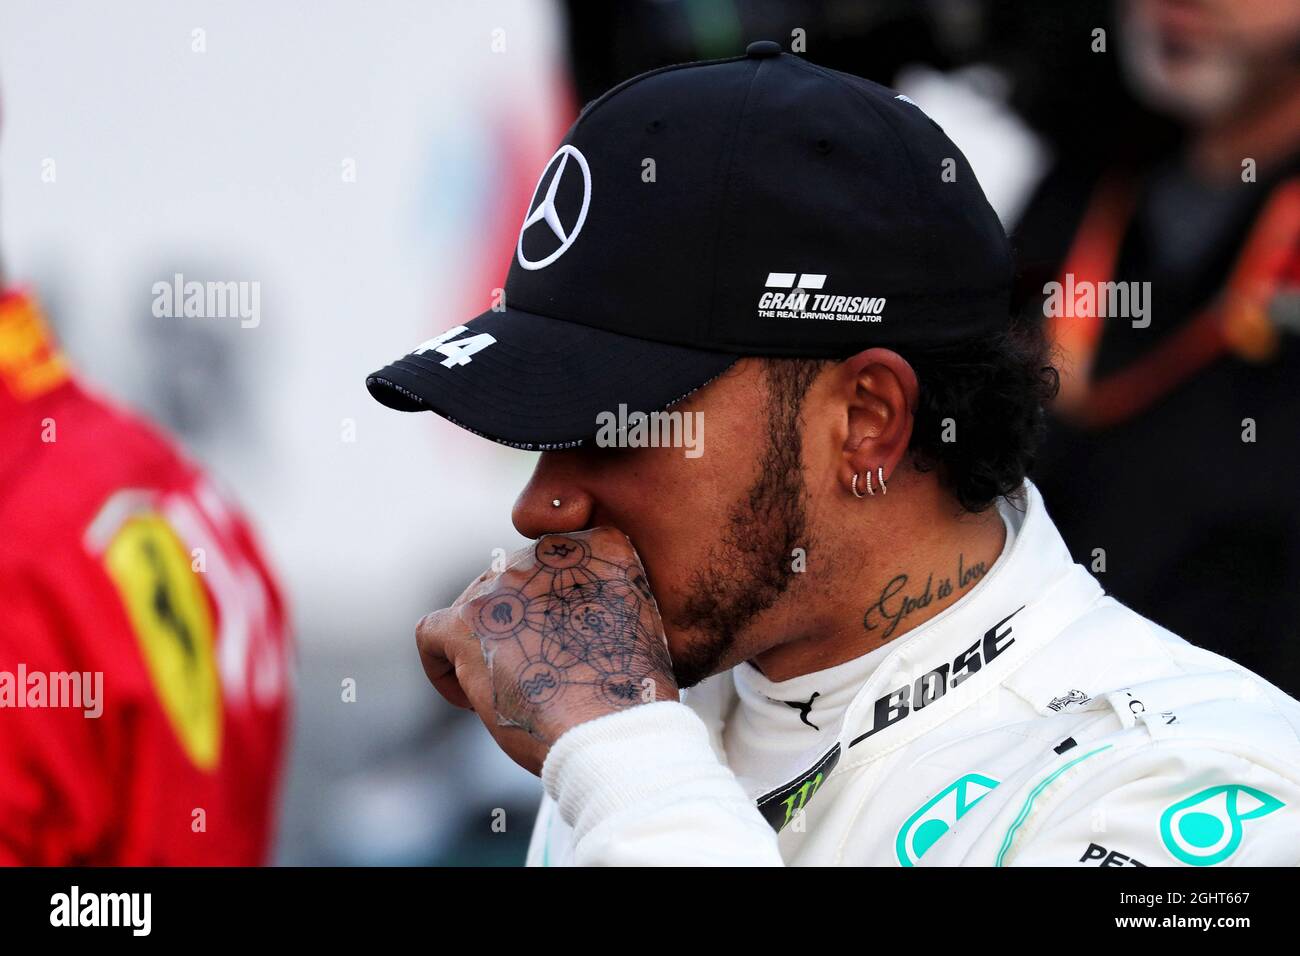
[(1034, 722)]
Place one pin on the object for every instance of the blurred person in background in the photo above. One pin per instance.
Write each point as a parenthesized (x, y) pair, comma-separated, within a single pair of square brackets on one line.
[(144, 650), (1173, 464), (143, 641)]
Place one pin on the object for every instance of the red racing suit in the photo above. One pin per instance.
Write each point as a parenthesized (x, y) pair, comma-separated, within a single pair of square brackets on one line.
[(144, 654)]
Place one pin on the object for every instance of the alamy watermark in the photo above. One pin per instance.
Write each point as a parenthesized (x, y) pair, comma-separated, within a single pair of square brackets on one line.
[(1102, 300), (133, 911), (676, 429), (209, 300), (81, 690)]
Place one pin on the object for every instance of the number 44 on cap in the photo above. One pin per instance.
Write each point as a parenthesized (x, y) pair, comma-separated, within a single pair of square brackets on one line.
[(459, 352)]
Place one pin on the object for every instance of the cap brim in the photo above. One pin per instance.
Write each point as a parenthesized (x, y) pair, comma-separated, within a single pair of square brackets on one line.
[(542, 382)]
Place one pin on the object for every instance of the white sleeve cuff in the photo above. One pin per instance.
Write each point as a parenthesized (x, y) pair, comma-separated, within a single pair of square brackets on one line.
[(645, 762)]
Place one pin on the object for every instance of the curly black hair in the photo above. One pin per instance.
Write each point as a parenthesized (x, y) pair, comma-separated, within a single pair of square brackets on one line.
[(980, 414)]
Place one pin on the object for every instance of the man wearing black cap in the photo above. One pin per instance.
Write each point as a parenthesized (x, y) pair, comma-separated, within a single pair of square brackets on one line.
[(892, 658)]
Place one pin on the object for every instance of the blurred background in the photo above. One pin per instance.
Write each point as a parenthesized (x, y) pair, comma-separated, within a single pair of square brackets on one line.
[(369, 165)]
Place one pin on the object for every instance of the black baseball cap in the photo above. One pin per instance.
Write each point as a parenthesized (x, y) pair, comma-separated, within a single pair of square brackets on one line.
[(757, 205)]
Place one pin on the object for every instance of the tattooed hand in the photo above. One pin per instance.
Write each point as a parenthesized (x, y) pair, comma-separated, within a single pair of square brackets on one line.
[(567, 633)]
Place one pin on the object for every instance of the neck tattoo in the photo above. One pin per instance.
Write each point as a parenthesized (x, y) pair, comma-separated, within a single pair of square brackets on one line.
[(897, 601)]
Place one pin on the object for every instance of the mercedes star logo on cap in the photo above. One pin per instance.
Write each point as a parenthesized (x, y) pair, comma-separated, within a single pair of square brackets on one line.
[(546, 213)]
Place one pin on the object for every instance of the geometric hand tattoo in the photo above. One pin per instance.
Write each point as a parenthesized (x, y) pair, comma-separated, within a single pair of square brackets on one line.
[(564, 625)]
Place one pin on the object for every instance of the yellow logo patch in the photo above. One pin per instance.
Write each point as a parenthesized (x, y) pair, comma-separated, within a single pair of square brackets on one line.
[(170, 615)]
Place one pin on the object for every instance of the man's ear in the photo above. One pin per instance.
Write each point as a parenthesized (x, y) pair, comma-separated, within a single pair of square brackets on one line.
[(879, 390)]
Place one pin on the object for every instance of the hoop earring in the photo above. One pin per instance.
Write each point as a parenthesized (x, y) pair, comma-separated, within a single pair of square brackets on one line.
[(856, 493), (880, 473)]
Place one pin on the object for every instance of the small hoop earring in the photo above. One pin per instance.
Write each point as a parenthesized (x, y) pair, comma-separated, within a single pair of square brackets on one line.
[(856, 493), (880, 473)]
